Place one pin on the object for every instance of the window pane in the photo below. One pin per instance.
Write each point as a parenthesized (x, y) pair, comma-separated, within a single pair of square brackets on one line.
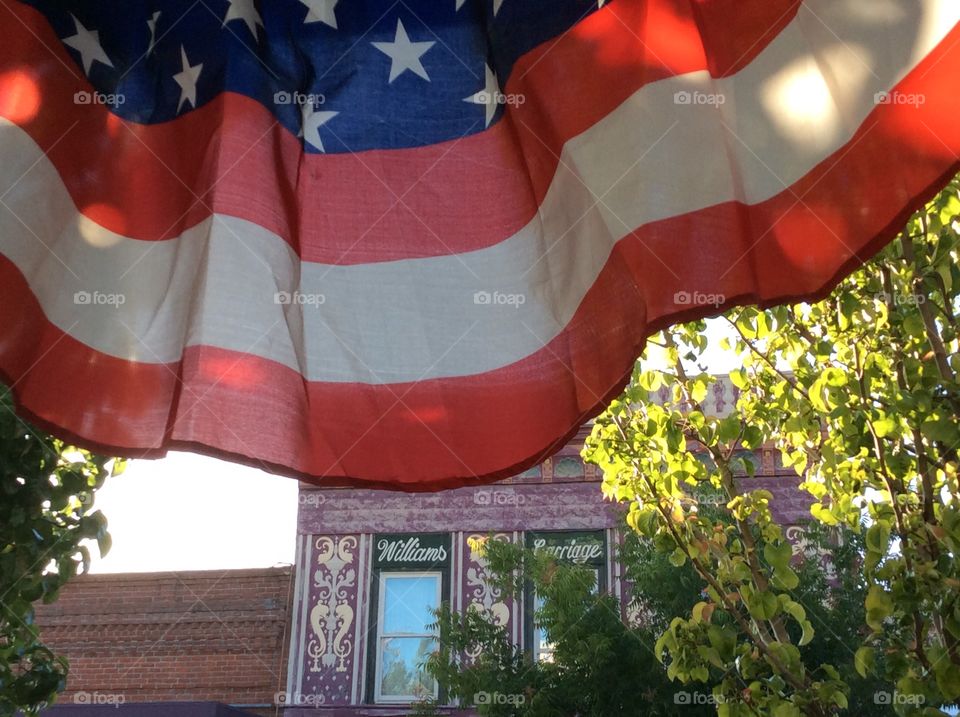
[(408, 604), (401, 675), (542, 647), (568, 467)]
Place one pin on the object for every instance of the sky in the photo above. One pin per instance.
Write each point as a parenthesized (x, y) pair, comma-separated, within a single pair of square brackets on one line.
[(192, 512)]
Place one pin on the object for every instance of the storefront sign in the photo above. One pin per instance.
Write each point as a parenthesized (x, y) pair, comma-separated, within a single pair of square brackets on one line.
[(579, 548), (424, 551)]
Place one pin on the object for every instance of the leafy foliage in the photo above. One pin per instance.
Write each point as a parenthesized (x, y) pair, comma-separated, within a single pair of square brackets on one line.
[(833, 596), (859, 392), (603, 666), (47, 490), (600, 666)]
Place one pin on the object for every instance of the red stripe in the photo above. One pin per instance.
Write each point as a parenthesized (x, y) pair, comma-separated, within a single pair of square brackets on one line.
[(450, 432), (153, 182)]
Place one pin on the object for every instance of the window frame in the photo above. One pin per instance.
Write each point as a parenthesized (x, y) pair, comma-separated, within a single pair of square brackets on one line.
[(373, 611), (600, 567), (381, 578)]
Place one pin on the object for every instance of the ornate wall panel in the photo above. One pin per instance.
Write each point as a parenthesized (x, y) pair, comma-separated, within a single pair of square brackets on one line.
[(332, 624), (478, 593)]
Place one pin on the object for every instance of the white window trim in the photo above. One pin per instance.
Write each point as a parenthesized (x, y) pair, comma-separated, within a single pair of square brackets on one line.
[(379, 698)]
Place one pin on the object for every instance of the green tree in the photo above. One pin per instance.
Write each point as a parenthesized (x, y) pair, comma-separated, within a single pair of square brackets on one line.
[(602, 666), (834, 600), (859, 392), (46, 510)]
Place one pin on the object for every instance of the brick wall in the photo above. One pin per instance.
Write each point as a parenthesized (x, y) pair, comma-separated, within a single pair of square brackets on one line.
[(178, 636)]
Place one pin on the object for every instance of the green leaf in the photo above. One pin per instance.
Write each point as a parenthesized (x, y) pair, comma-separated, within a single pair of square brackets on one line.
[(793, 608), (879, 607), (786, 709), (940, 429), (698, 611), (711, 655), (878, 537), (779, 555), (763, 325), (786, 579), (723, 640), (700, 673), (823, 514), (729, 428), (650, 381), (647, 521), (835, 377), (738, 377), (883, 427), (104, 543), (948, 678), (763, 605), (864, 661), (699, 390)]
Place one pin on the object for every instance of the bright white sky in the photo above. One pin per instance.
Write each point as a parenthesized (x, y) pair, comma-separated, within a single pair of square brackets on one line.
[(190, 512)]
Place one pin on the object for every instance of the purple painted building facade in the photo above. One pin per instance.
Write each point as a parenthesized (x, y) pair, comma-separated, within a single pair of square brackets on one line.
[(371, 564), (352, 544)]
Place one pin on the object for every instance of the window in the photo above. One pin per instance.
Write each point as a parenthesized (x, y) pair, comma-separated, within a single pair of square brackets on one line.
[(587, 549), (568, 467), (411, 574), (405, 640), (541, 646)]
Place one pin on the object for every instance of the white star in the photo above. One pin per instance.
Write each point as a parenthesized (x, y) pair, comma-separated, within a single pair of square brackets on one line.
[(87, 43), (244, 10), (496, 6), (460, 4), (312, 122), (187, 79), (321, 11), (489, 95), (404, 55)]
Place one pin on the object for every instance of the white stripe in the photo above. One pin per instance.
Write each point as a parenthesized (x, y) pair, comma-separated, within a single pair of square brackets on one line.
[(797, 103)]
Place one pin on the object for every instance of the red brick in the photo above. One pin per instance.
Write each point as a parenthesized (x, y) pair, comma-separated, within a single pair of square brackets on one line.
[(207, 635)]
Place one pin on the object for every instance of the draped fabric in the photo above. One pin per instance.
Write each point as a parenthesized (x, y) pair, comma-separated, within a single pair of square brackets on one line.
[(416, 244)]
